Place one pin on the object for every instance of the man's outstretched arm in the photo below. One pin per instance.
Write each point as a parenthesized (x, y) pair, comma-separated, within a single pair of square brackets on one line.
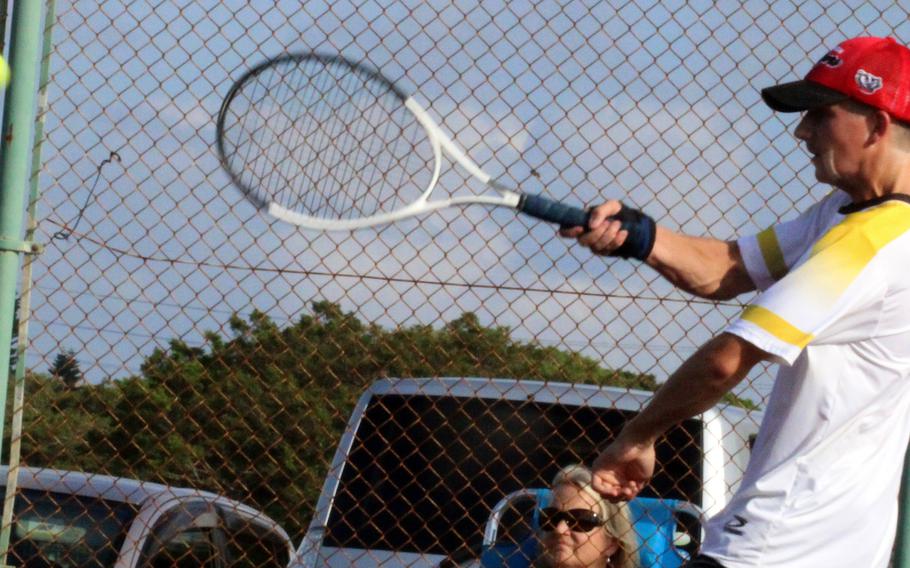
[(626, 465), (708, 268)]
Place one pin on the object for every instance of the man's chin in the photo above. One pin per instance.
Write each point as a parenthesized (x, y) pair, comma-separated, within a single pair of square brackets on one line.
[(824, 177), (824, 169)]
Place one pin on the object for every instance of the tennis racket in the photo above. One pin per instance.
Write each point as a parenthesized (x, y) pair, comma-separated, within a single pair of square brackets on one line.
[(325, 143)]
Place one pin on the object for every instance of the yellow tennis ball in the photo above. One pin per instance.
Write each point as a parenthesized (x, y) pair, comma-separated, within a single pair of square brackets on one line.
[(4, 72)]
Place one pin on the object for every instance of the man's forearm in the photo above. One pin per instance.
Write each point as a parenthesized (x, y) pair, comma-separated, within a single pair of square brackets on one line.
[(699, 383), (705, 267)]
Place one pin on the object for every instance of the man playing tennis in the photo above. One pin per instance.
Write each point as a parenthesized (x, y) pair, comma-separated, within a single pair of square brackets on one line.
[(834, 311)]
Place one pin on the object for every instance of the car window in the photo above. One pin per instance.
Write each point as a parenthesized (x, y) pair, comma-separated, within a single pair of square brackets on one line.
[(186, 535), (67, 531), (251, 545), (194, 548)]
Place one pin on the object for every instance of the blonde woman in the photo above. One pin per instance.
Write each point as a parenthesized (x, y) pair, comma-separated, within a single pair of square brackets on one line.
[(579, 529)]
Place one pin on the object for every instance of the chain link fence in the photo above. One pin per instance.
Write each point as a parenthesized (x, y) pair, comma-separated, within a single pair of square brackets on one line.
[(180, 337)]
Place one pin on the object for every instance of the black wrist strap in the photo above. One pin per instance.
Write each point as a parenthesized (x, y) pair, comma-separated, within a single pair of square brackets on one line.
[(642, 232)]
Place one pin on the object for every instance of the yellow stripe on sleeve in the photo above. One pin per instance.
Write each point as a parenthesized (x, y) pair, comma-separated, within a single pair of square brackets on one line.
[(777, 326), (770, 251)]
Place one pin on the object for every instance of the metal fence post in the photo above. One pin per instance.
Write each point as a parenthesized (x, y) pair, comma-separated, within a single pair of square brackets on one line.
[(24, 307), (18, 124)]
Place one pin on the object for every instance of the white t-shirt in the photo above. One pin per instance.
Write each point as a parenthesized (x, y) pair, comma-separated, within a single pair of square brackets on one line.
[(822, 483)]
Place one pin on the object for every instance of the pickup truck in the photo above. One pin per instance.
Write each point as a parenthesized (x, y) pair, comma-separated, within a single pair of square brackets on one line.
[(423, 462)]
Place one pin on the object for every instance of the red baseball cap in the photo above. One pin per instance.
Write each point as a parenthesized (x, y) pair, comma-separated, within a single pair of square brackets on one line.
[(870, 70)]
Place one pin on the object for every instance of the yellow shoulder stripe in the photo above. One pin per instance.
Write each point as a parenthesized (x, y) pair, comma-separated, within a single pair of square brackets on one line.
[(839, 256), (867, 231)]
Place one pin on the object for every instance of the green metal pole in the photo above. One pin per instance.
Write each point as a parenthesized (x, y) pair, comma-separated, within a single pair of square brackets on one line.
[(18, 406), (15, 147)]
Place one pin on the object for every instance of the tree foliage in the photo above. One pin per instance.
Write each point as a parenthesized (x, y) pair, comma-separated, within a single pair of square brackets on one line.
[(66, 368), (257, 414)]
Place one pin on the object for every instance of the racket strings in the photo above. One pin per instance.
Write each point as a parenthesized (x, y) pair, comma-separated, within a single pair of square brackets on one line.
[(300, 148), (327, 140), (342, 125), (321, 196), (349, 176), (395, 150), (295, 147), (275, 166)]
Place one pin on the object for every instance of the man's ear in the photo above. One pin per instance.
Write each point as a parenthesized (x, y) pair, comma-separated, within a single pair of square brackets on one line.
[(880, 124)]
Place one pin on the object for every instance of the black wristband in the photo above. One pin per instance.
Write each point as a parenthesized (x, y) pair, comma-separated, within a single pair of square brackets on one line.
[(642, 232)]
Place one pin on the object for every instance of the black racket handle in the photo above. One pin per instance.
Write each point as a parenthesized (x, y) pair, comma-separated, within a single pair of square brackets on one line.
[(642, 230), (553, 211)]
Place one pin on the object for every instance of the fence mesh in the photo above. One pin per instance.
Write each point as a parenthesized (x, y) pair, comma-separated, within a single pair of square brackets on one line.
[(181, 337)]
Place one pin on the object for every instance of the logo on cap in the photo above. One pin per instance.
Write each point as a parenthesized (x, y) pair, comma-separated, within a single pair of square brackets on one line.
[(832, 59), (867, 82)]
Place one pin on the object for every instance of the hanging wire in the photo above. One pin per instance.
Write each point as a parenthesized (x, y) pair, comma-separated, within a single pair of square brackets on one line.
[(66, 232)]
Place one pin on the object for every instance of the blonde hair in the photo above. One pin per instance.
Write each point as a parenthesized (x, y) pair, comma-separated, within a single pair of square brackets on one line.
[(618, 519)]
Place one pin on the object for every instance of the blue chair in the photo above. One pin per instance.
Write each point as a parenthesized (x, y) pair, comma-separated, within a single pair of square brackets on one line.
[(653, 520)]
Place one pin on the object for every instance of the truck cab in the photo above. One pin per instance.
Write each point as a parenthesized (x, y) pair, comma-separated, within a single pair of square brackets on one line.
[(422, 463)]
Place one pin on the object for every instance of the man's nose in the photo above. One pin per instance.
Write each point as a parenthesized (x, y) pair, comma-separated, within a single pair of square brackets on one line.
[(803, 130)]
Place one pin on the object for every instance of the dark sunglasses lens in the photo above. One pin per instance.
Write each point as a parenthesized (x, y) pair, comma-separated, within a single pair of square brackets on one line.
[(578, 520), (549, 518)]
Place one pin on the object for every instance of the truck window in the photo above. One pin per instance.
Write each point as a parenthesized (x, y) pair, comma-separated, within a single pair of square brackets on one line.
[(192, 548), (61, 530), (424, 471), (187, 535), (253, 546)]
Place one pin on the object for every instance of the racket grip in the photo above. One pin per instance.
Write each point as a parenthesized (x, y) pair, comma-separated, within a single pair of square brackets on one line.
[(553, 211)]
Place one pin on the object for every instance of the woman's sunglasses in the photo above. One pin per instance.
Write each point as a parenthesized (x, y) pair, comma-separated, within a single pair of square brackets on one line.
[(578, 520)]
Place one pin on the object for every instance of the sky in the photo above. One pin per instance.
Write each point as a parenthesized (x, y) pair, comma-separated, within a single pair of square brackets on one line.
[(656, 103)]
